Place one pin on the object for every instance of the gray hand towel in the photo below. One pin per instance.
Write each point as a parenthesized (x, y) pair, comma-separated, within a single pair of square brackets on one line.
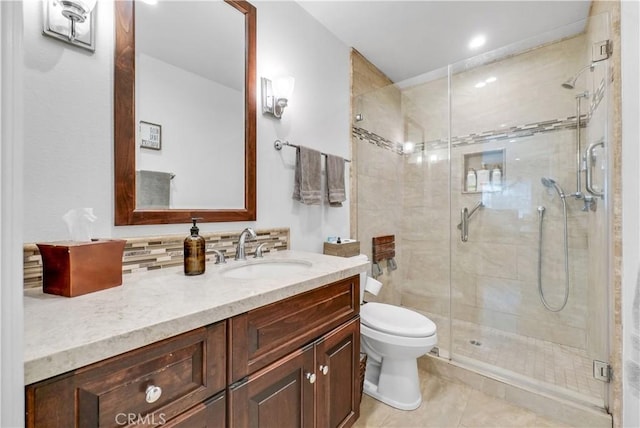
[(153, 189), (307, 187), (335, 180)]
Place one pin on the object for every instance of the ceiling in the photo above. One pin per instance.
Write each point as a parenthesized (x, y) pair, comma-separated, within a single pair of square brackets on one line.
[(405, 39)]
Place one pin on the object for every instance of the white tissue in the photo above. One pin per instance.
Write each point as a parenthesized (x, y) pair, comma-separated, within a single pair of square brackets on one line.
[(79, 222), (373, 286)]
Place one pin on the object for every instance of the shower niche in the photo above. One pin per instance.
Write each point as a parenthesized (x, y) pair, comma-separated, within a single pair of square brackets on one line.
[(483, 171)]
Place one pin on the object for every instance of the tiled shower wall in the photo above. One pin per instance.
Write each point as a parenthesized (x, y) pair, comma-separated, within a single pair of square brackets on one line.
[(376, 180), (494, 274)]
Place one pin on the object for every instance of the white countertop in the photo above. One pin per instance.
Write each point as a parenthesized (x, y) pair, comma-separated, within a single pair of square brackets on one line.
[(62, 334)]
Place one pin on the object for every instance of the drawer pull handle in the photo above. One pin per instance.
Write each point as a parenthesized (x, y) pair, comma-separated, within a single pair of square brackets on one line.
[(311, 377), (324, 369), (153, 393)]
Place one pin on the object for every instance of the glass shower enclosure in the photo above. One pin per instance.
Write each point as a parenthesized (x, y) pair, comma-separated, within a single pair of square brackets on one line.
[(492, 173)]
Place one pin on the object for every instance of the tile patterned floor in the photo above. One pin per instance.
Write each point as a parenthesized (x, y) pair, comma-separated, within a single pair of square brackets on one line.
[(543, 361), (450, 405)]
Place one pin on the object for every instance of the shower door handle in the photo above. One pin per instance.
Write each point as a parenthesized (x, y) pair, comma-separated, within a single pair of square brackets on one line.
[(465, 215), (464, 224), (589, 166)]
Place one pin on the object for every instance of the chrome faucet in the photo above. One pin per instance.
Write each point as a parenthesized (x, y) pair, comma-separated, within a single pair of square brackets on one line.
[(240, 254)]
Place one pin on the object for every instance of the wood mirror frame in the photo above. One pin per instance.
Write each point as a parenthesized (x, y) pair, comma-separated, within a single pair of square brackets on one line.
[(125, 123)]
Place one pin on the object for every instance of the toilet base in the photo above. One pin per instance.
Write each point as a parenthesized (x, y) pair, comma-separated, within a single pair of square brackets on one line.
[(394, 382)]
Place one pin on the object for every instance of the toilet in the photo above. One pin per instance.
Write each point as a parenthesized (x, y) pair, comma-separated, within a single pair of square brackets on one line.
[(393, 338)]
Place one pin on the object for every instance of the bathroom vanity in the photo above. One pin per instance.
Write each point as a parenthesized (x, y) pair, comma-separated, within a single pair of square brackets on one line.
[(222, 349)]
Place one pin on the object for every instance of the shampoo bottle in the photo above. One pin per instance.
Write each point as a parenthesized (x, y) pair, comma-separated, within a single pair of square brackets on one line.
[(496, 178), (471, 180), (484, 182), (194, 252)]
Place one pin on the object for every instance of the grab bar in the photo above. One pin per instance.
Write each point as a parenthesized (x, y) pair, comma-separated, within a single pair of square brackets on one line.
[(589, 165), (465, 215)]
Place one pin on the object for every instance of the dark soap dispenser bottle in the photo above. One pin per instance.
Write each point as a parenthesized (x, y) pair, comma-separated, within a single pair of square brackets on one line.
[(194, 252)]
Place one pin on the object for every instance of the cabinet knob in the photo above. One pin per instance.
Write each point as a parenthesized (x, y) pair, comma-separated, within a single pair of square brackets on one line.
[(152, 393), (324, 369), (311, 377)]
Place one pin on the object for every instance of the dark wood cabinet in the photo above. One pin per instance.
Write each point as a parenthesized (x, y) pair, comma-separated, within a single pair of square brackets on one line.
[(281, 395), (316, 336), (315, 386), (210, 414), (338, 367), (145, 387), (263, 335), (293, 363)]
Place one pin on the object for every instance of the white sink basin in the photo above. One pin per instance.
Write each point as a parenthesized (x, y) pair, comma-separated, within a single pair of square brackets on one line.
[(265, 269)]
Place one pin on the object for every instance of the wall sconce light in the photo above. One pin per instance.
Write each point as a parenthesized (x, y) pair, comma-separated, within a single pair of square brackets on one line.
[(71, 21), (276, 94)]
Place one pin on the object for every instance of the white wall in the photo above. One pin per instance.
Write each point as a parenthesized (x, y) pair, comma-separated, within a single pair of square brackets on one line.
[(69, 121), (11, 313), (630, 20)]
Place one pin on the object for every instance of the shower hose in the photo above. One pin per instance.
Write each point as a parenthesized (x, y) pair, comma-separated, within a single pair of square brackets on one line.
[(566, 259)]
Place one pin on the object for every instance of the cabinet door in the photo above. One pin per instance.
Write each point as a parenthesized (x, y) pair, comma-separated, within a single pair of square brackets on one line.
[(337, 366), (280, 395)]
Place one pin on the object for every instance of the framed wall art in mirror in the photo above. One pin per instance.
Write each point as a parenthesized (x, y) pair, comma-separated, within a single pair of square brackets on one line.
[(198, 81)]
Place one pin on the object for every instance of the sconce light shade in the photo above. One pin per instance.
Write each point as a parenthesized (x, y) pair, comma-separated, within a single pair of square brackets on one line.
[(276, 94), (71, 21)]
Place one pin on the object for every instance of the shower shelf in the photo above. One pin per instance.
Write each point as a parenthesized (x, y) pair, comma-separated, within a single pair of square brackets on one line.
[(489, 158)]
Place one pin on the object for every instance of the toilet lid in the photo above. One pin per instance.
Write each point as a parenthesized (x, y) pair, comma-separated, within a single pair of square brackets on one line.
[(396, 320)]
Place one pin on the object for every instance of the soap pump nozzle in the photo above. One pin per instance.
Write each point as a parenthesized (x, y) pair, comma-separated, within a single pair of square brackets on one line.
[(195, 230)]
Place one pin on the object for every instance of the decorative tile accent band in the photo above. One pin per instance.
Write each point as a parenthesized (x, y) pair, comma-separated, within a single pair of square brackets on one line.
[(150, 253), (369, 137), (514, 132)]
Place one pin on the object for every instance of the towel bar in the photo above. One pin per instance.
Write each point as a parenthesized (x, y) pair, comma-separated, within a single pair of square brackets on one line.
[(279, 144)]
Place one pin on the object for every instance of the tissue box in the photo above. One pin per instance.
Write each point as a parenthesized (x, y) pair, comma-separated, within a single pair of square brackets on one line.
[(74, 268), (346, 249)]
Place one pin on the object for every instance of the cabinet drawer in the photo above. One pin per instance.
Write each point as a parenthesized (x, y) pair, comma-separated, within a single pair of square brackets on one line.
[(210, 414), (187, 369), (261, 336)]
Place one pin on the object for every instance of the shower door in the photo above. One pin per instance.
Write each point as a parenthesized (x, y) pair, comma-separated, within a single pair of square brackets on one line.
[(471, 168), (529, 261)]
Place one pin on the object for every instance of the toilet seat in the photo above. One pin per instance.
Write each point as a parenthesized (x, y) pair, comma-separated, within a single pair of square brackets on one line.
[(396, 320)]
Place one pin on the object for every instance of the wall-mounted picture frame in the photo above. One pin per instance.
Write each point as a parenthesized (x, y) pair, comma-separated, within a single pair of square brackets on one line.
[(150, 135)]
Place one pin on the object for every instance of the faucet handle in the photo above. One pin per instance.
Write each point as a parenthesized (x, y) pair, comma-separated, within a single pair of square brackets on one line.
[(258, 254), (220, 258)]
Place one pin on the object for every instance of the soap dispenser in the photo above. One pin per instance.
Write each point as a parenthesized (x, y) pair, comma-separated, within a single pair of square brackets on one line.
[(194, 252)]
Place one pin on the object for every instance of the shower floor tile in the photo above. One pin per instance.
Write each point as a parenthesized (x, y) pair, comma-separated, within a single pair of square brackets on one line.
[(557, 365), (450, 405)]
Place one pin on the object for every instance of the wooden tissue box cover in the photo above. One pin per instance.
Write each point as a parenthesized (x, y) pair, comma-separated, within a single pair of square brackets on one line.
[(348, 249), (73, 268)]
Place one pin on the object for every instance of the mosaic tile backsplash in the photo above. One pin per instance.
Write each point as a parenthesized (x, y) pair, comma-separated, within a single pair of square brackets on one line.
[(157, 252)]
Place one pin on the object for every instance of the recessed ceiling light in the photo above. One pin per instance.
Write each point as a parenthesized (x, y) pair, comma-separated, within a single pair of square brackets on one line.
[(477, 41), (152, 2), (480, 85), (491, 79)]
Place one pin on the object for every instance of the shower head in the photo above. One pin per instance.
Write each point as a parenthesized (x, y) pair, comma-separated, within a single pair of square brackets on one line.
[(570, 83), (550, 182)]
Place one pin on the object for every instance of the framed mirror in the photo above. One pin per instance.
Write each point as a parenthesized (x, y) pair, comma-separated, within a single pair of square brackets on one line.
[(185, 112)]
